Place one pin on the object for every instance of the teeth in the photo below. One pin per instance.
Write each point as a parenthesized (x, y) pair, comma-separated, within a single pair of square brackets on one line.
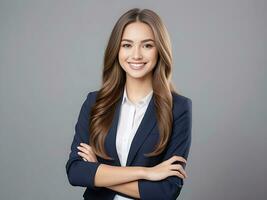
[(137, 65)]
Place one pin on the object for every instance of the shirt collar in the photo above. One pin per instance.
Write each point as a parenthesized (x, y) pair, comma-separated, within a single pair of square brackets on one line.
[(140, 103)]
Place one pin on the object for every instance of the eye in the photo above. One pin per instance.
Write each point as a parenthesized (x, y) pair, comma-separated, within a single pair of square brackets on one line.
[(126, 45), (148, 46)]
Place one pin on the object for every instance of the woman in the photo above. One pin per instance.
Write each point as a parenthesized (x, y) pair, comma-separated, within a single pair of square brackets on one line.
[(133, 136)]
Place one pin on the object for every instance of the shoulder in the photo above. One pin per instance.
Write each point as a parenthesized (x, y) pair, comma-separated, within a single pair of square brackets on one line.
[(181, 104), (92, 95), (179, 99)]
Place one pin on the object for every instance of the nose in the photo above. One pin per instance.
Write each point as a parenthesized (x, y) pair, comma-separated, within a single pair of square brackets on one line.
[(137, 54)]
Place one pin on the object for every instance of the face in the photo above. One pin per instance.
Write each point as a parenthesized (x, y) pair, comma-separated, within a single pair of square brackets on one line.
[(138, 54)]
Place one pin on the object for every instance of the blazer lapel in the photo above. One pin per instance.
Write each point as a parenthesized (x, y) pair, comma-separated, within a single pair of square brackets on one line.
[(145, 127), (111, 136)]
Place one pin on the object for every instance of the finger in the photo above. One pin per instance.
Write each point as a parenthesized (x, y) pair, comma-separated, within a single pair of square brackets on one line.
[(85, 146), (183, 172), (85, 156), (180, 158), (177, 173), (174, 159), (88, 152), (84, 159), (84, 150), (177, 158), (87, 149), (88, 157), (180, 169)]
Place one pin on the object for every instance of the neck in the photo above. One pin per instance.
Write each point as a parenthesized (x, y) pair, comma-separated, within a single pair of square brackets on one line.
[(137, 88)]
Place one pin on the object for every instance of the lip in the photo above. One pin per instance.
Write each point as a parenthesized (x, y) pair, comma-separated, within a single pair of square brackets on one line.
[(137, 62), (137, 66)]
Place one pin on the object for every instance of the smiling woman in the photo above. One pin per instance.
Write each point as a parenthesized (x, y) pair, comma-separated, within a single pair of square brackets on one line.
[(138, 56), (133, 135)]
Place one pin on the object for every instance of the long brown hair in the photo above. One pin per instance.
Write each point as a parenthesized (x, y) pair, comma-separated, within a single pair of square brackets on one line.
[(114, 78)]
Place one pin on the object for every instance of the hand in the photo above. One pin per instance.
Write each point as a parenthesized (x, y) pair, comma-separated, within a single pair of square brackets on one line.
[(166, 169), (87, 153)]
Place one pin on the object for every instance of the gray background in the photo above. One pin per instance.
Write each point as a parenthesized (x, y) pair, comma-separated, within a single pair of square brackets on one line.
[(51, 55)]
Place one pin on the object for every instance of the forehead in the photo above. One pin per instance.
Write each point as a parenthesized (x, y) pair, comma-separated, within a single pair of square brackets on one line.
[(137, 31)]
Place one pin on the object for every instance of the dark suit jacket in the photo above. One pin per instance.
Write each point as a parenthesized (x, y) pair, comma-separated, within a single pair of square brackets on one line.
[(81, 173)]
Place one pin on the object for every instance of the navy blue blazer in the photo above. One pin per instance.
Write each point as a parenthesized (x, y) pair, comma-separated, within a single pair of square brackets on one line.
[(81, 173)]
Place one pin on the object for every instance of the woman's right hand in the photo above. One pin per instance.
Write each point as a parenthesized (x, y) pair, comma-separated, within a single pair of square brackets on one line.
[(166, 169)]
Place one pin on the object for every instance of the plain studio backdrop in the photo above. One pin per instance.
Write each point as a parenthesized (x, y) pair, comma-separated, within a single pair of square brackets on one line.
[(51, 56)]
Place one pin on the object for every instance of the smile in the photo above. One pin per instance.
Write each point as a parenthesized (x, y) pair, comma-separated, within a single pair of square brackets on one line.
[(137, 66)]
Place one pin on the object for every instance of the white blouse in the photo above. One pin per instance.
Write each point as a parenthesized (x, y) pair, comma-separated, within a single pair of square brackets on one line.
[(130, 118)]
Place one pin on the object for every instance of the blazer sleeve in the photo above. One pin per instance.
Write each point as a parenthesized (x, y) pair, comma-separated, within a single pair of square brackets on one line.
[(80, 172), (179, 145)]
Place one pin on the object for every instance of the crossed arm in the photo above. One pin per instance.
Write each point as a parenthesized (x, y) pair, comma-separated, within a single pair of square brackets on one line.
[(130, 189), (125, 179), (130, 182), (119, 179), (88, 172)]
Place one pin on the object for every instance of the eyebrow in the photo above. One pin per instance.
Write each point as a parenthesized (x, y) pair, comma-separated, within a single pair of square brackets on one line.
[(146, 40)]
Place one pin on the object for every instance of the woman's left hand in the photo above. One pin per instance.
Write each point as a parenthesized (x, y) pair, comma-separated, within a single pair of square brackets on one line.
[(87, 153)]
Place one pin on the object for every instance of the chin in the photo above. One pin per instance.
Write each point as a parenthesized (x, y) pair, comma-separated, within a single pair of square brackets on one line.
[(138, 75)]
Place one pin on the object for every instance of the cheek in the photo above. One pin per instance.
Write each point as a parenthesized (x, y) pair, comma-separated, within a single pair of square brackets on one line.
[(153, 58), (122, 58), (122, 55), (152, 55)]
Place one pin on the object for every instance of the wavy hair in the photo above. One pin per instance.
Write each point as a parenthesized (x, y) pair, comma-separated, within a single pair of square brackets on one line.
[(114, 79)]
